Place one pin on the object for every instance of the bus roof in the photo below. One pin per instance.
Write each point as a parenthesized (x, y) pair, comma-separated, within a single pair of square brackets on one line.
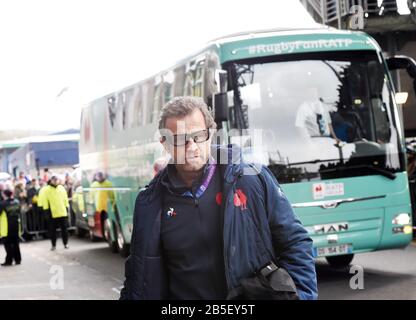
[(258, 43), (288, 41), (268, 32)]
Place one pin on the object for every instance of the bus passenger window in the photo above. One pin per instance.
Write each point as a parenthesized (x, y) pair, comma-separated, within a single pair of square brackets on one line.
[(178, 84), (127, 108), (194, 81), (148, 92), (138, 106), (157, 98), (168, 80), (111, 104)]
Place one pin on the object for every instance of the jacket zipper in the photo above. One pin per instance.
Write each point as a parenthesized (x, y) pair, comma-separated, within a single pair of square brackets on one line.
[(227, 277)]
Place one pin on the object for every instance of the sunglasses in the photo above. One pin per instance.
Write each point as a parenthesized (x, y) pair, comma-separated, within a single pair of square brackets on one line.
[(179, 140)]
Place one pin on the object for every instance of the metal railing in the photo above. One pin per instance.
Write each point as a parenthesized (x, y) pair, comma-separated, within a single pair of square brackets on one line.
[(329, 11), (35, 222)]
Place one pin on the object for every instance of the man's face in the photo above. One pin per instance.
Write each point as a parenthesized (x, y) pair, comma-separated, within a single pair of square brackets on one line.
[(191, 156)]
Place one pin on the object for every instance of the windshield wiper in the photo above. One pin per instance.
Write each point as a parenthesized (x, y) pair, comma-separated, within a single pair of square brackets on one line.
[(311, 161), (381, 171)]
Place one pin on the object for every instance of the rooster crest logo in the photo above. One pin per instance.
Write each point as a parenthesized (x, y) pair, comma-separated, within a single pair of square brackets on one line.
[(240, 199), (171, 213)]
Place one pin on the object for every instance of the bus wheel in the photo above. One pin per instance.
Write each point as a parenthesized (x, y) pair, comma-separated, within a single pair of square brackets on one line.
[(93, 237), (122, 246), (79, 232), (340, 261), (107, 234)]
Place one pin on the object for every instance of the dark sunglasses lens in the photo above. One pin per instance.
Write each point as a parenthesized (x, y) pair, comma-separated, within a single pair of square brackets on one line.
[(178, 140)]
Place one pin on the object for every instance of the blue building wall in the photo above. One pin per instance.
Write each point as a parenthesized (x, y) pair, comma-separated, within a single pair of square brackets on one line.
[(44, 154), (58, 153)]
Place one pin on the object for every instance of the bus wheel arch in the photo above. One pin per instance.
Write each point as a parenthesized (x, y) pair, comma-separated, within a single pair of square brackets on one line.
[(340, 261)]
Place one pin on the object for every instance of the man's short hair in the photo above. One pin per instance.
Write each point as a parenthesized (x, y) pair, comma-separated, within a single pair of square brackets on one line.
[(180, 107)]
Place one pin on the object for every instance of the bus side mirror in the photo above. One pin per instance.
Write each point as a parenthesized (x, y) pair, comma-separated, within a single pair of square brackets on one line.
[(401, 62), (220, 107), (221, 98)]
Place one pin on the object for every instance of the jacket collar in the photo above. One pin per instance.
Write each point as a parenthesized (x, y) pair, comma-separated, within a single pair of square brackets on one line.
[(228, 158)]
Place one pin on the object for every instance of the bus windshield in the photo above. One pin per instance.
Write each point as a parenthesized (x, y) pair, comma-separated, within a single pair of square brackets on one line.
[(316, 116)]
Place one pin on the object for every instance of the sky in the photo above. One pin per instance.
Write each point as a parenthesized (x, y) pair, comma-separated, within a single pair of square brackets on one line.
[(55, 56)]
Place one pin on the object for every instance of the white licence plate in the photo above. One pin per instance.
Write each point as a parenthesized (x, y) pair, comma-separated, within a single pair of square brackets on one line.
[(333, 250)]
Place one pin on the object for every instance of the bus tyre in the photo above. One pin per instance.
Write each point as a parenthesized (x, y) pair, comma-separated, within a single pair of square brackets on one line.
[(122, 246), (93, 237), (340, 261), (79, 232), (107, 234)]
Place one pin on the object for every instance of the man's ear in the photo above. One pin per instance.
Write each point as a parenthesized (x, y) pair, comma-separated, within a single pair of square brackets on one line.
[(162, 140)]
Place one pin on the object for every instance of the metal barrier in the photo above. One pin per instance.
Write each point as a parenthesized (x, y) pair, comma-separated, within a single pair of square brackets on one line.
[(35, 222), (330, 11)]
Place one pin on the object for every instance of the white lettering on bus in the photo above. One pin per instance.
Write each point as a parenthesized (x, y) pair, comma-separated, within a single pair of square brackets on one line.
[(291, 46)]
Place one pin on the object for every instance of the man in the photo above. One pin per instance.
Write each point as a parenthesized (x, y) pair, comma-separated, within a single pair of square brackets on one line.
[(32, 214), (2, 188), (103, 195), (314, 116), (22, 179), (10, 224), (201, 227), (46, 175), (54, 200)]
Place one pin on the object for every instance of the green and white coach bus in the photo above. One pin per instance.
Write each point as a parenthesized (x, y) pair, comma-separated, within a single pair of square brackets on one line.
[(317, 106)]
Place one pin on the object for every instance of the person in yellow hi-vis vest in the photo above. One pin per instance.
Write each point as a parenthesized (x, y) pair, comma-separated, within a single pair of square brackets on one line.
[(103, 194), (10, 211), (55, 202)]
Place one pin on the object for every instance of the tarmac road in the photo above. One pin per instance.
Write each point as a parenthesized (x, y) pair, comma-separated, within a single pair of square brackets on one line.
[(90, 271)]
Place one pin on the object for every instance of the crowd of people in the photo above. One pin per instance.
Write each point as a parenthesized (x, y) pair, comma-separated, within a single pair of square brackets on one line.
[(45, 199)]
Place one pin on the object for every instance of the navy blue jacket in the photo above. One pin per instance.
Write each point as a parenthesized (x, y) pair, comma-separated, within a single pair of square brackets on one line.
[(262, 226)]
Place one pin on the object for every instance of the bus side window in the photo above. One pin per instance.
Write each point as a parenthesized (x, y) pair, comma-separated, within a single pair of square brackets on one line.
[(210, 86), (148, 92), (194, 80), (157, 98), (127, 108), (168, 81), (199, 78), (137, 105), (189, 79), (179, 82), (112, 109)]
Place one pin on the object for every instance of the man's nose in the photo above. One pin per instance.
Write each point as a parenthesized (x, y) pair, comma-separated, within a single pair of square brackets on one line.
[(191, 145)]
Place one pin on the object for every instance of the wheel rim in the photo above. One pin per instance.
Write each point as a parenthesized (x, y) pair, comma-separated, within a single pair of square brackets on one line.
[(107, 232), (120, 239)]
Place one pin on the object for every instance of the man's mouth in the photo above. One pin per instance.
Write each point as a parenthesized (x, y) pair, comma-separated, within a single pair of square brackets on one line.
[(192, 158)]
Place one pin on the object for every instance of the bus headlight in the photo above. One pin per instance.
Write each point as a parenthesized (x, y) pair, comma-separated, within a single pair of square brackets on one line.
[(401, 219)]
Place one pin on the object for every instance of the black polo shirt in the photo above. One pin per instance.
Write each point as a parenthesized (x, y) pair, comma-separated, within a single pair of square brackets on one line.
[(192, 238)]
